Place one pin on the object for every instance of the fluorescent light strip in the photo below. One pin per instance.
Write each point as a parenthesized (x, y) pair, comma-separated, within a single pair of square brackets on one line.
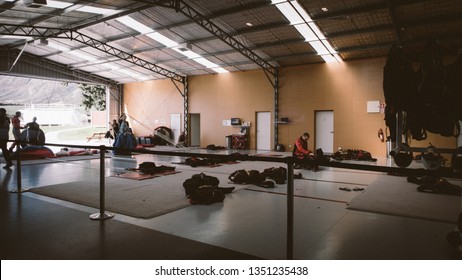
[(316, 30), (306, 32), (134, 24), (329, 58), (58, 4), (220, 70), (189, 54), (151, 33), (319, 47), (162, 39), (298, 17), (95, 10), (290, 13), (207, 63), (328, 46), (301, 11)]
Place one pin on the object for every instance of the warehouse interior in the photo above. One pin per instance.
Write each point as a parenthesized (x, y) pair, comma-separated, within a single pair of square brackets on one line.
[(277, 67)]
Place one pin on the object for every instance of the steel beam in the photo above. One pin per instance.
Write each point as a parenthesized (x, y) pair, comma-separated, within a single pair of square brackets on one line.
[(203, 21), (44, 32), (82, 76)]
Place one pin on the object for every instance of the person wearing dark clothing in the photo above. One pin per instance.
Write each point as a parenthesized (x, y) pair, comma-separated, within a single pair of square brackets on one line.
[(16, 121), (33, 124), (4, 136), (115, 128)]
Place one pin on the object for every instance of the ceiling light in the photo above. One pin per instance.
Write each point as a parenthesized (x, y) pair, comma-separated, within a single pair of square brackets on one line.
[(220, 70), (95, 10), (162, 39), (249, 24), (329, 58), (316, 30), (207, 63), (188, 54), (306, 32), (337, 56), (324, 9), (134, 24), (301, 11), (290, 13), (58, 4), (319, 47), (328, 46)]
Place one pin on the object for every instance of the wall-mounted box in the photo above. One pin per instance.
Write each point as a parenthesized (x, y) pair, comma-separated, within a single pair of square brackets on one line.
[(235, 121)]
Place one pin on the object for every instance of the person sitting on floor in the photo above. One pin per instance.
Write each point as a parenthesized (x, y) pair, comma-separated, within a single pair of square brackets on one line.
[(302, 152), (301, 146)]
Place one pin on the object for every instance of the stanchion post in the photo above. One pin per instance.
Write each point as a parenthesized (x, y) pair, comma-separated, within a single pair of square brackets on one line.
[(290, 208), (19, 188), (102, 215)]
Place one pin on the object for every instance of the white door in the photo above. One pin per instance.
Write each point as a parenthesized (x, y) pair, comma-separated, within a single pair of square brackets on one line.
[(195, 129), (264, 131), (175, 126), (325, 131), (459, 140)]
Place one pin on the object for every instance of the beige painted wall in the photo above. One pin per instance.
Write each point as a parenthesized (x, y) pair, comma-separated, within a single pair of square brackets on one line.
[(344, 88), (221, 97), (149, 105)]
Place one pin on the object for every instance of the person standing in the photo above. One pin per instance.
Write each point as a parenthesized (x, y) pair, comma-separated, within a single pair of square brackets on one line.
[(16, 121), (33, 124), (115, 128), (4, 136)]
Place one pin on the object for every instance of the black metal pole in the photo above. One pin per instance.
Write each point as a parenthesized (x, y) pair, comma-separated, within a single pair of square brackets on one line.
[(19, 188), (102, 181), (102, 215), (290, 208), (18, 167)]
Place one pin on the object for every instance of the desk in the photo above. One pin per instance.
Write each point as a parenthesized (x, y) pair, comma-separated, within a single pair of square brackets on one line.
[(96, 135)]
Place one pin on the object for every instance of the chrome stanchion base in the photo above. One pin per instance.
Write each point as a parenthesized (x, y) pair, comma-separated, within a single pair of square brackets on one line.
[(99, 217), (19, 191)]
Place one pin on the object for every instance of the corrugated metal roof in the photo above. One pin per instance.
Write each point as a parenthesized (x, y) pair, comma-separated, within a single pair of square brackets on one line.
[(355, 28)]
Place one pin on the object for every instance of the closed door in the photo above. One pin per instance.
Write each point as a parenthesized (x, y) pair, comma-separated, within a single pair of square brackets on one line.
[(325, 131), (195, 129), (264, 131), (175, 126), (459, 140)]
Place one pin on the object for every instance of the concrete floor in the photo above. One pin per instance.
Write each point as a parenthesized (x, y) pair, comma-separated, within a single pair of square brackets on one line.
[(249, 224)]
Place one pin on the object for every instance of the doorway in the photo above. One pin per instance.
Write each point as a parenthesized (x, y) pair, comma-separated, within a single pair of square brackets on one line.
[(175, 126), (324, 131), (264, 131), (195, 129)]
